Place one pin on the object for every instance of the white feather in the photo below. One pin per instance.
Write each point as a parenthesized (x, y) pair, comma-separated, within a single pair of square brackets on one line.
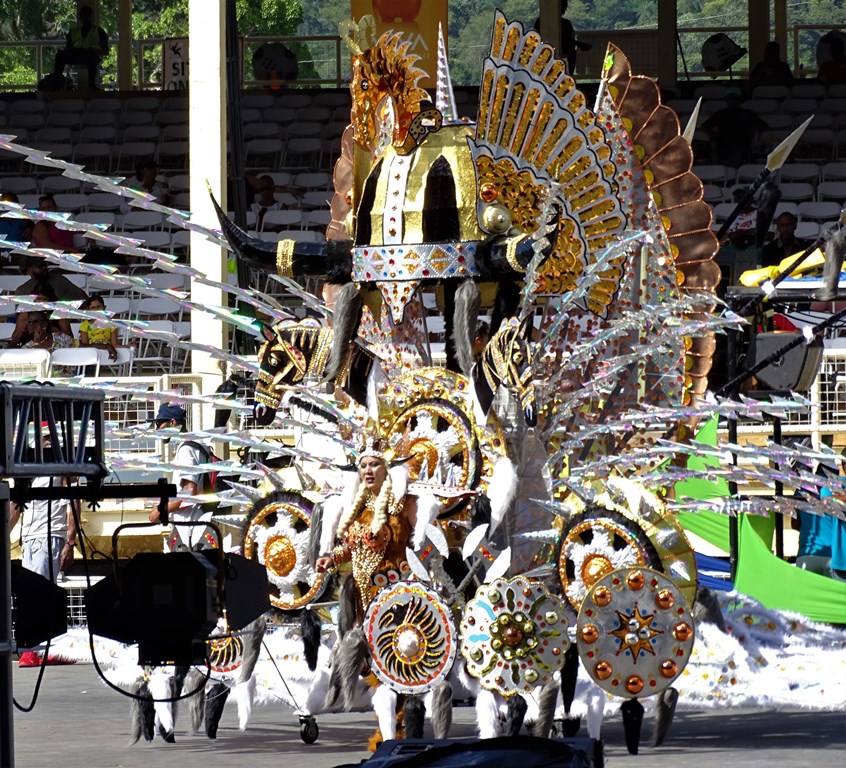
[(385, 707), (487, 714), (399, 479), (436, 536), (473, 540), (333, 508), (500, 566), (417, 568), (501, 490), (427, 511)]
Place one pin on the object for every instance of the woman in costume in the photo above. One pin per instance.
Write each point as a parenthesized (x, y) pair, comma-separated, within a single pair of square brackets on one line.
[(373, 530)]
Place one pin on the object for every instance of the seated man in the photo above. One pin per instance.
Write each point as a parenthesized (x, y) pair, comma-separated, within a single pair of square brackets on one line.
[(786, 244), (86, 44)]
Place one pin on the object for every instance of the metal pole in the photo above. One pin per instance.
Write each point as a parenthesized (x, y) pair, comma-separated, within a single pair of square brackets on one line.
[(7, 745), (731, 371)]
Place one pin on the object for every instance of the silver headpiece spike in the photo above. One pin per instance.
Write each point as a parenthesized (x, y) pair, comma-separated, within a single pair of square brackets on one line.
[(444, 95)]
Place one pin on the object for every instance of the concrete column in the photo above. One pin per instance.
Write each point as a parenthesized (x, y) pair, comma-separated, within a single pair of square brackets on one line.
[(124, 52), (780, 21), (667, 31), (759, 29), (550, 26), (207, 137)]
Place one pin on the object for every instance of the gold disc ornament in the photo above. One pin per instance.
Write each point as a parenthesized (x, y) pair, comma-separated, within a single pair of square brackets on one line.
[(514, 635), (411, 636), (278, 537), (634, 633)]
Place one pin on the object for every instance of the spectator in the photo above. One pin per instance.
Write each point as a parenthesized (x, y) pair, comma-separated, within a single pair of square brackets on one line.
[(189, 455), (48, 536), (39, 273), (13, 230), (786, 244), (838, 526), (46, 234), (772, 70), (814, 551), (741, 234), (834, 70), (569, 44), (147, 180), (87, 44), (98, 333), (733, 131), (42, 291), (265, 200), (43, 335)]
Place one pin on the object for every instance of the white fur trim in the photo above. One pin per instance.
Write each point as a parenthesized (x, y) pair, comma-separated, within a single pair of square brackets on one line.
[(160, 689), (242, 694), (595, 711), (385, 707), (501, 490), (427, 511), (332, 508), (487, 714)]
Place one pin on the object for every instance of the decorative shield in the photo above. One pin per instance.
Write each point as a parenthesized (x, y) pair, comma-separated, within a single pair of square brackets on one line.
[(411, 636), (278, 537), (514, 635), (634, 632)]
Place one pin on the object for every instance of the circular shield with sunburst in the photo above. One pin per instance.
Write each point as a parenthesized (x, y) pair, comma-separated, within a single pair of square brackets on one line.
[(634, 632), (412, 637), (278, 537)]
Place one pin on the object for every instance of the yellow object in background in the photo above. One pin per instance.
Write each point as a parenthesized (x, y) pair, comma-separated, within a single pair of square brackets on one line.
[(753, 277)]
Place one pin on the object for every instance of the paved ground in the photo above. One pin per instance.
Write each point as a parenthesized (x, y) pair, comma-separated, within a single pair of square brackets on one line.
[(78, 722)]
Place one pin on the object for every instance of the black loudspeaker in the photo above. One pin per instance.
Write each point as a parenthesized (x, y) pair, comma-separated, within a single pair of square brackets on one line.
[(41, 607), (795, 371), (525, 751)]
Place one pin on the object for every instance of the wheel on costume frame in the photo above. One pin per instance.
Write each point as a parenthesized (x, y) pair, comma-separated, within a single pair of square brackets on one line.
[(438, 434), (597, 542), (309, 730), (277, 536)]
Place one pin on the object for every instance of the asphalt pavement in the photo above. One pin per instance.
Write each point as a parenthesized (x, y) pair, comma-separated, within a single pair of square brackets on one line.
[(77, 721)]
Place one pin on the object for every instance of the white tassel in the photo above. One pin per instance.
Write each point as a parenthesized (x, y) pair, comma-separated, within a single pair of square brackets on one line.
[(385, 707), (501, 490), (487, 714), (427, 511), (595, 711)]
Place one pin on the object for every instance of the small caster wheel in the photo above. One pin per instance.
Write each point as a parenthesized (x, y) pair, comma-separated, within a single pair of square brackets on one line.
[(309, 730)]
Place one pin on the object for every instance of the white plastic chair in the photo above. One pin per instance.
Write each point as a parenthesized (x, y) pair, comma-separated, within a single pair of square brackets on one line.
[(73, 361), (807, 172), (832, 190), (155, 354), (797, 191), (104, 201), (136, 220), (282, 219), (819, 211), (121, 365), (24, 363)]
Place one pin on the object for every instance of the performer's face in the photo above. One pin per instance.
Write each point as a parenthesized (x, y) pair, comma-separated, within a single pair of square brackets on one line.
[(372, 472)]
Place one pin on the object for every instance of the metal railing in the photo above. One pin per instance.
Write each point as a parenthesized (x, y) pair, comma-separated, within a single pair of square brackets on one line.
[(321, 59), (324, 62)]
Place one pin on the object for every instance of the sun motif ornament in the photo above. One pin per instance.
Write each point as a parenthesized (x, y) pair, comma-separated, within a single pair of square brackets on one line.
[(411, 636), (634, 632), (278, 537), (514, 635)]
